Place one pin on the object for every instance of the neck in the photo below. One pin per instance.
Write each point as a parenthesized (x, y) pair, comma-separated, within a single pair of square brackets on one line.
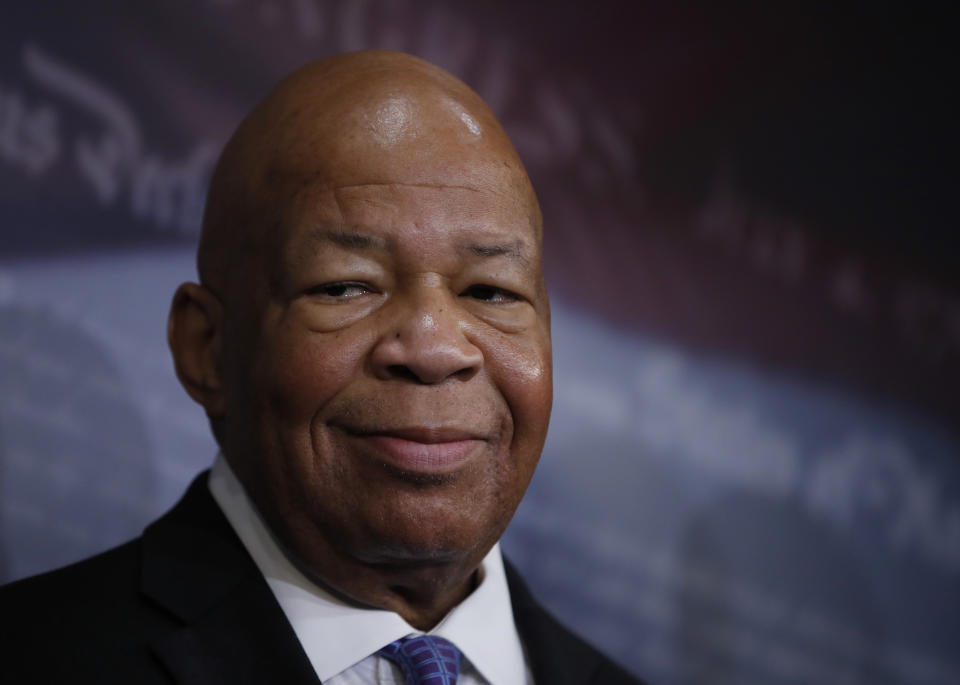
[(420, 589), (420, 593)]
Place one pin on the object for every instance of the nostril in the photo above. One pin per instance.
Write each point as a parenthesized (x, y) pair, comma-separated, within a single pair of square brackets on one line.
[(402, 371), (466, 373)]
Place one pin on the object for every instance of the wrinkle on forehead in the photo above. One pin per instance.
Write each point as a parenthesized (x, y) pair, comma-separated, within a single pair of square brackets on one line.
[(388, 184), (341, 197), (510, 194)]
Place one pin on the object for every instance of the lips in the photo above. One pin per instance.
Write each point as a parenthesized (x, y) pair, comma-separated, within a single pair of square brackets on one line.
[(429, 451)]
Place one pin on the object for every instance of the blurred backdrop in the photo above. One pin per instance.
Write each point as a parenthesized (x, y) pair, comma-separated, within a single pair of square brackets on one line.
[(753, 472)]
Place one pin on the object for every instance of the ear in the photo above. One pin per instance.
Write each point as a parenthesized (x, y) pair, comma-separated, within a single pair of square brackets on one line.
[(195, 336)]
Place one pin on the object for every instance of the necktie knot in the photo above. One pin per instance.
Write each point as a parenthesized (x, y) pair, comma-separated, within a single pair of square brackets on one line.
[(425, 659)]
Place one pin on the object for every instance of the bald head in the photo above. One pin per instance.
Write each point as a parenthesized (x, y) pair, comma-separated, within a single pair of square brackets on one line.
[(373, 117)]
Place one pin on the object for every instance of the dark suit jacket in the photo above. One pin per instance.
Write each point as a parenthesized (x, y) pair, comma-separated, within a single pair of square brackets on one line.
[(185, 603)]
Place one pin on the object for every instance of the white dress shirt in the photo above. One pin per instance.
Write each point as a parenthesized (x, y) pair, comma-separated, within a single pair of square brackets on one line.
[(341, 639)]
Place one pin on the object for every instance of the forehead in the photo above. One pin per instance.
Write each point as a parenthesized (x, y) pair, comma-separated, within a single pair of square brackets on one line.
[(416, 218), (403, 155)]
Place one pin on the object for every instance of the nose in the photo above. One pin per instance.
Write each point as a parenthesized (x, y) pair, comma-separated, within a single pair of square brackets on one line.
[(425, 341)]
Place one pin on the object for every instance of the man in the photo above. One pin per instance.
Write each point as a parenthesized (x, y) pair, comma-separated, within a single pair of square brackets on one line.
[(370, 341)]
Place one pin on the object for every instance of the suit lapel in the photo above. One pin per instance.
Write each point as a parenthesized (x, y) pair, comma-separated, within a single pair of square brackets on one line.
[(556, 655), (240, 640), (232, 629)]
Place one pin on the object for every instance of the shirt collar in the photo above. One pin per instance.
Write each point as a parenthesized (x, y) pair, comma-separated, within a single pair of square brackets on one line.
[(336, 634)]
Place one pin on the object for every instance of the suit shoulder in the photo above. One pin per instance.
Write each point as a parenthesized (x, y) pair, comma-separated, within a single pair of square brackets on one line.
[(86, 603), (111, 571), (87, 622)]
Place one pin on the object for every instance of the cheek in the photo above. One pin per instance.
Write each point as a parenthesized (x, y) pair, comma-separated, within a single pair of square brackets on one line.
[(522, 369), (307, 370)]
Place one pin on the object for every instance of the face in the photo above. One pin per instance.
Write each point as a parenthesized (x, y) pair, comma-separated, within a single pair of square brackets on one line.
[(396, 377)]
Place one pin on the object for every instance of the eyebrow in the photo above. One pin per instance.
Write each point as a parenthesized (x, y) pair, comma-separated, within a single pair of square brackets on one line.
[(350, 239), (512, 251), (364, 241)]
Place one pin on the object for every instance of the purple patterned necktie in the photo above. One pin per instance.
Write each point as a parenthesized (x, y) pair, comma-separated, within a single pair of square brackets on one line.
[(425, 660)]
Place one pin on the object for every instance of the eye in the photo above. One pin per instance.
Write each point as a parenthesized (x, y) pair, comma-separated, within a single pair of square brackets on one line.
[(340, 291), (492, 294)]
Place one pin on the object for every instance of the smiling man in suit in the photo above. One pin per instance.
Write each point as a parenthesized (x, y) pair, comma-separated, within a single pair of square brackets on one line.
[(370, 340)]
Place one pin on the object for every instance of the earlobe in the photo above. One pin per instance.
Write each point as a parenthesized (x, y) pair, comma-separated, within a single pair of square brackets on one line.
[(195, 335)]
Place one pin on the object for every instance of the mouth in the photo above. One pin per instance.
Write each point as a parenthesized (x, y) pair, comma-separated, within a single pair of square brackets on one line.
[(421, 451)]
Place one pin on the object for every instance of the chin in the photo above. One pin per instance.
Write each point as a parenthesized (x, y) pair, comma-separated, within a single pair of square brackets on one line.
[(412, 554), (422, 566), (414, 544)]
